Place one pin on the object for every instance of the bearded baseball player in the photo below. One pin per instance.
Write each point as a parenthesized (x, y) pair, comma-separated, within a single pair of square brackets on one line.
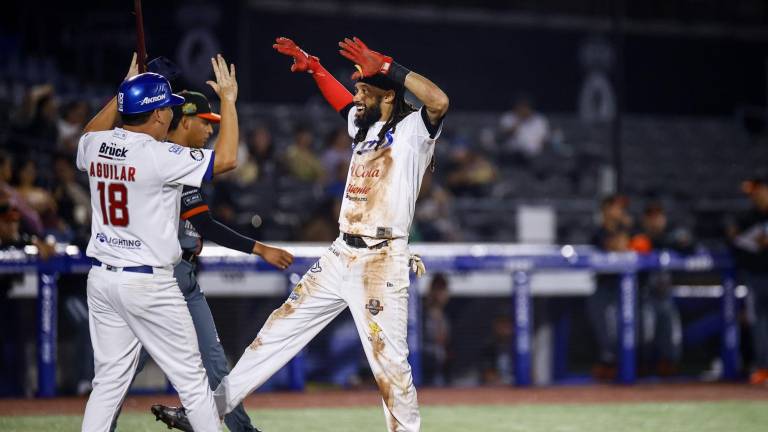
[(366, 268), (191, 127), (134, 300)]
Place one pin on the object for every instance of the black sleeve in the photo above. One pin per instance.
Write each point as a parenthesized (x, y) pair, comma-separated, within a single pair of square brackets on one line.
[(211, 229), (431, 128), (191, 201), (345, 111)]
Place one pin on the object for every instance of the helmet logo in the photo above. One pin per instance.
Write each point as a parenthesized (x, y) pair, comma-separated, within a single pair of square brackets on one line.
[(152, 99), (120, 101)]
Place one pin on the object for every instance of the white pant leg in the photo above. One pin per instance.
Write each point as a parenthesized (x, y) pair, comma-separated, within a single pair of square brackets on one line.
[(115, 354), (378, 301), (157, 313), (312, 305)]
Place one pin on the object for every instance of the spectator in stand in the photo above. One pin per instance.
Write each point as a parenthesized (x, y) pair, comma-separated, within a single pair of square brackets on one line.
[(496, 365), (434, 219), (31, 222), (524, 132), (74, 115), (259, 165), (471, 174), (35, 123), (300, 159), (612, 236), (38, 198), (74, 204), (437, 333), (749, 240), (11, 361), (661, 330), (338, 149)]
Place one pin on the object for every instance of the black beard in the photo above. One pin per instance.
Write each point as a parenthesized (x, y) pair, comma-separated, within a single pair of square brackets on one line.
[(370, 116)]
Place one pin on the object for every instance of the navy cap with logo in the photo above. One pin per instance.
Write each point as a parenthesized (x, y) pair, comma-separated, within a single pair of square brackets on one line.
[(195, 104)]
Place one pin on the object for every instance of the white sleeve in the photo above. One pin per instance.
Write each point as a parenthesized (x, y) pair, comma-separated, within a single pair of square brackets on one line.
[(182, 165), (80, 159), (351, 128), (418, 123)]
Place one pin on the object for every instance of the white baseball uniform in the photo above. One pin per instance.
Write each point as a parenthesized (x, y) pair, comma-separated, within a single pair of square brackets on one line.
[(379, 201), (133, 297)]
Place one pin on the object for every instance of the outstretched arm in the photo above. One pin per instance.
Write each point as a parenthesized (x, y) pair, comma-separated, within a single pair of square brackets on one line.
[(332, 90), (369, 62), (226, 144), (221, 234), (106, 119)]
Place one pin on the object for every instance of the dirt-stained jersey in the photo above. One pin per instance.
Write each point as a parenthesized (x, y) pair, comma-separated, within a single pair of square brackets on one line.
[(136, 183), (382, 185)]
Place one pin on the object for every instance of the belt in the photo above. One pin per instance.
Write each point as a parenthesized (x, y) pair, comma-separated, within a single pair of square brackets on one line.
[(358, 242), (134, 269), (189, 256)]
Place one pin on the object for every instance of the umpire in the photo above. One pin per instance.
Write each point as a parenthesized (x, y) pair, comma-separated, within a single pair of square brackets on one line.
[(192, 126)]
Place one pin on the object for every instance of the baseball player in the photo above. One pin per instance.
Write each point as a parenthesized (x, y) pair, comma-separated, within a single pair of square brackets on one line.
[(366, 268), (191, 127), (134, 300)]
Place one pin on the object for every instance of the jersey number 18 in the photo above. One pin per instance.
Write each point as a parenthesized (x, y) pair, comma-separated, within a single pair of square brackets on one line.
[(117, 195)]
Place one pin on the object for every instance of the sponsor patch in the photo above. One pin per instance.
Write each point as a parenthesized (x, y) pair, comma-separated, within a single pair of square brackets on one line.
[(112, 152), (192, 199), (175, 149), (384, 232), (374, 306), (296, 293), (119, 134), (117, 242), (196, 154)]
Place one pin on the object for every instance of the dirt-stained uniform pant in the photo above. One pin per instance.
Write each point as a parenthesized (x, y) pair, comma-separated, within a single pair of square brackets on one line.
[(130, 310), (374, 284)]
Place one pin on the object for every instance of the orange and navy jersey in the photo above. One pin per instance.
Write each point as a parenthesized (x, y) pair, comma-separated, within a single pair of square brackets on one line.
[(192, 203)]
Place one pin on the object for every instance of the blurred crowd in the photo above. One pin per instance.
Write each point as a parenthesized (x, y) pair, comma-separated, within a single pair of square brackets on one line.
[(288, 187)]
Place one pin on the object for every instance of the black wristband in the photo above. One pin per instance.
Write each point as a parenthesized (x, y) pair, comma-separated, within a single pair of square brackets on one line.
[(397, 73)]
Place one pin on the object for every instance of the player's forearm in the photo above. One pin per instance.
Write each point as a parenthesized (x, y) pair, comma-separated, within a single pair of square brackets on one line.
[(332, 90), (434, 99), (104, 119), (227, 142), (215, 231)]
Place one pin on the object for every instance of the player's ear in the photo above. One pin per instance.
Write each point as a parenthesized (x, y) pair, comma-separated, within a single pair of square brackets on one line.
[(389, 96)]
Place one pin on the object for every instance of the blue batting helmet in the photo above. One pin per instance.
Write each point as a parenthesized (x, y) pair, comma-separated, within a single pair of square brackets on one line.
[(145, 92)]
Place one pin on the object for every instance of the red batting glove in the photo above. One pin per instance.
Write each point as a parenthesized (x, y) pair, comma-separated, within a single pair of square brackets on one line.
[(302, 62), (367, 61)]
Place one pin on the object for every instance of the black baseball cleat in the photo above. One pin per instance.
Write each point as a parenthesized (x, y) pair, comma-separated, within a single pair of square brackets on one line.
[(173, 417)]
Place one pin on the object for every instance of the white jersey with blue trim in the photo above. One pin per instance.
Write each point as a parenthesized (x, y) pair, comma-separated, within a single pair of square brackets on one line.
[(136, 183), (383, 184)]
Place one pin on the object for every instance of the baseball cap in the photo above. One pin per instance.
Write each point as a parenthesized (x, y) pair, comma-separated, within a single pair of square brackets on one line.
[(195, 104), (145, 92), (382, 82)]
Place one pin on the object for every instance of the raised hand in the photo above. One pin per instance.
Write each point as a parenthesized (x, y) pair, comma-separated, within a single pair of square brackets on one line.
[(367, 61), (133, 70), (302, 62), (225, 85)]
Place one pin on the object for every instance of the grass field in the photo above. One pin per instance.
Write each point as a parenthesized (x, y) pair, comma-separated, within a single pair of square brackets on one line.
[(741, 416)]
